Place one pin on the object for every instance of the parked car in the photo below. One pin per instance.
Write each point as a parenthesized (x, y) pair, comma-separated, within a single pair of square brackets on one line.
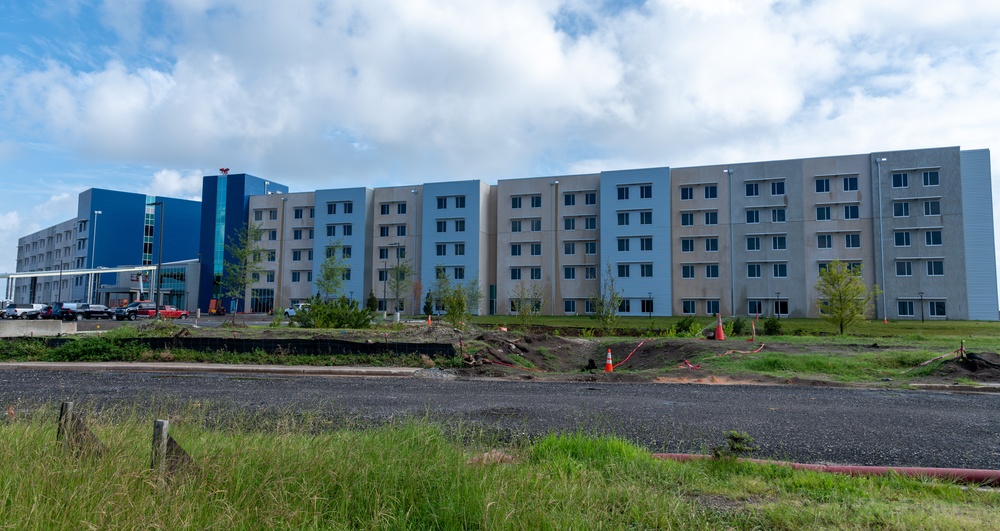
[(172, 312), (135, 310), (295, 308), (23, 311), (66, 311), (95, 311), (45, 312)]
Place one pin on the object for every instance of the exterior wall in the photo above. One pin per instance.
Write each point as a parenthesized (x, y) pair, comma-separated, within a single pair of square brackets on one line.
[(288, 222), (333, 223), (636, 237), (50, 249), (459, 230), (980, 249), (396, 219)]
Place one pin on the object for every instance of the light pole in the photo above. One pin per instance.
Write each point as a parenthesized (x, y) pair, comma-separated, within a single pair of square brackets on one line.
[(159, 257), (921, 306), (93, 250), (385, 280), (650, 309), (881, 239), (732, 266), (777, 304)]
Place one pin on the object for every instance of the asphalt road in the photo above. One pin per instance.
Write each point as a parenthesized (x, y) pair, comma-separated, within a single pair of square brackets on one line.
[(816, 425)]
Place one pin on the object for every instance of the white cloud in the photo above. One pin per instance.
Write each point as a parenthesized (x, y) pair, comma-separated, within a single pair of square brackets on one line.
[(172, 183)]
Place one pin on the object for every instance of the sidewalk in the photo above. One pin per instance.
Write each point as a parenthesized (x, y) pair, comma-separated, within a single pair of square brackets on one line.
[(304, 370)]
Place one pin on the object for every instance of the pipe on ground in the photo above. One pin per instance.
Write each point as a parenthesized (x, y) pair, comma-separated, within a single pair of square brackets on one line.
[(961, 475)]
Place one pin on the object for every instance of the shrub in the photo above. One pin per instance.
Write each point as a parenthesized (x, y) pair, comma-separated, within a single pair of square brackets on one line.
[(772, 326), (740, 326), (334, 313)]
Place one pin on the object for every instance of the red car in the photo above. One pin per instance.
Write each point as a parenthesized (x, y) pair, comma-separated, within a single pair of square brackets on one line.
[(171, 312)]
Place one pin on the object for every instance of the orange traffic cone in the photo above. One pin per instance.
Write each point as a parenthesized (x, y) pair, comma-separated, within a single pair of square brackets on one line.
[(753, 329), (885, 320), (608, 365), (719, 333), (428, 320)]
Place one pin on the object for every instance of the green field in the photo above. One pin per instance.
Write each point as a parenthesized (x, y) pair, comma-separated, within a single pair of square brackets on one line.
[(298, 473)]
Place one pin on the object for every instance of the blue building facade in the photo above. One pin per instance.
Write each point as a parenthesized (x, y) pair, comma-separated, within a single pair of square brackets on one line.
[(343, 217), (225, 202)]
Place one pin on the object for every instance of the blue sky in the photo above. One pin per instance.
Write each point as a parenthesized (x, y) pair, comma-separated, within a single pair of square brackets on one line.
[(149, 96)]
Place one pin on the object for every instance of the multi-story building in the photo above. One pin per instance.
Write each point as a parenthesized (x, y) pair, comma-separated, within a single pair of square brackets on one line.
[(111, 228), (344, 220), (225, 210), (395, 247)]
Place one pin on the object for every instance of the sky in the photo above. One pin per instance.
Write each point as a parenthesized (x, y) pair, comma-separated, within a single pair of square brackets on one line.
[(148, 96)]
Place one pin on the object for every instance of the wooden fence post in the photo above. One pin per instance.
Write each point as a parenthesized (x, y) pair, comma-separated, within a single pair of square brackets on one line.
[(160, 436)]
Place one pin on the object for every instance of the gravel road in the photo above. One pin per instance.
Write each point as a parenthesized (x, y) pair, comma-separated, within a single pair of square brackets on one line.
[(816, 425)]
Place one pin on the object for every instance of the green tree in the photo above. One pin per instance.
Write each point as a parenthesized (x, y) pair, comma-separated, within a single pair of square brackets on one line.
[(457, 298), (428, 304), (606, 301), (844, 299), (330, 282), (372, 302), (400, 280), (527, 301), (245, 255)]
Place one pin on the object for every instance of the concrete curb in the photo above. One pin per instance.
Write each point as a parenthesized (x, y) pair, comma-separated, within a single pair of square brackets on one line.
[(296, 370)]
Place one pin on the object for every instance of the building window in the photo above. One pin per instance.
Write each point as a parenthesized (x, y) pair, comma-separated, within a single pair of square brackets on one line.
[(401, 208), (296, 255), (753, 216), (459, 272), (850, 184), (569, 248), (515, 249), (258, 215), (777, 215), (459, 201), (400, 230), (778, 188), (712, 245), (269, 276), (712, 307), (625, 306), (824, 241), (935, 268), (900, 180), (569, 306), (590, 198), (781, 307), (755, 307), (383, 254), (623, 270), (687, 245), (646, 270), (459, 249), (345, 252), (515, 274), (687, 193), (515, 225), (687, 219), (646, 244), (753, 189), (901, 238), (272, 215), (712, 271), (937, 309), (904, 308), (780, 270), (822, 185), (590, 248), (687, 271), (296, 276), (383, 231), (900, 209), (851, 212), (852, 241), (384, 209), (515, 202), (778, 243), (348, 207), (459, 225), (622, 193), (753, 270), (348, 229), (569, 199), (569, 223), (569, 273), (442, 203), (272, 256), (645, 191), (646, 218), (536, 249), (931, 178), (623, 245), (536, 225), (823, 213), (711, 218), (536, 201), (272, 235), (904, 268), (932, 208), (623, 218), (331, 208), (589, 272), (753, 243), (932, 237), (687, 307), (711, 192), (590, 223), (297, 234), (331, 230), (442, 226)]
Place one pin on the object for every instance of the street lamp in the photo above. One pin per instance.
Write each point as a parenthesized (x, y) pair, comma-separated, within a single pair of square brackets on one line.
[(732, 244), (881, 239), (650, 308), (385, 280), (777, 304), (921, 306), (159, 258), (93, 250)]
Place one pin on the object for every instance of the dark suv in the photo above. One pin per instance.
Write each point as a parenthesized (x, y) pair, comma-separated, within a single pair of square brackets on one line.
[(135, 310)]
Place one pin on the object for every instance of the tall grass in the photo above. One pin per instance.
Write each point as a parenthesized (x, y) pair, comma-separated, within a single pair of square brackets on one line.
[(418, 475)]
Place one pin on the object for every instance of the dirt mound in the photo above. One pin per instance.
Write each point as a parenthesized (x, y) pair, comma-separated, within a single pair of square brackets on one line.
[(981, 367)]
